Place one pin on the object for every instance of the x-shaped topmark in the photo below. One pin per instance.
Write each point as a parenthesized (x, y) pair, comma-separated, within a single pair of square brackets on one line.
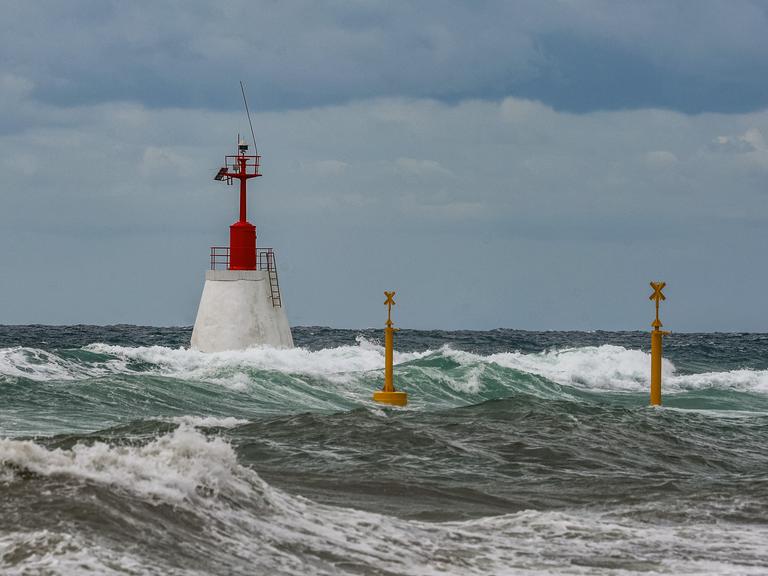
[(657, 294)]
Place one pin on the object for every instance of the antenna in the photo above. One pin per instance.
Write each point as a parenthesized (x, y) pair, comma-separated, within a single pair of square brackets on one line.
[(245, 101)]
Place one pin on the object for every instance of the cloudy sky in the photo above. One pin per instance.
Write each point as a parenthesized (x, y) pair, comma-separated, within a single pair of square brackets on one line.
[(519, 164)]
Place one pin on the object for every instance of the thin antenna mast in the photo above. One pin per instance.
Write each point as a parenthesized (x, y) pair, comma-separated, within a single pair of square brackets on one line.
[(245, 101)]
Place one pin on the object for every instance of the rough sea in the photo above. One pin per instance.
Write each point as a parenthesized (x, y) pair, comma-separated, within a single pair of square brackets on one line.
[(124, 452)]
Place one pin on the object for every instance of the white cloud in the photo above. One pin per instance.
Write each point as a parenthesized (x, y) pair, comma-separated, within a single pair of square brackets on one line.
[(158, 161), (749, 141), (520, 110), (23, 163), (326, 167), (423, 168), (750, 147), (660, 159), (732, 144), (14, 88), (754, 137)]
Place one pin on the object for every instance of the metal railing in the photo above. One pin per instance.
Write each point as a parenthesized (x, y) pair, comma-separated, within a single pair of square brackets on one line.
[(233, 163), (265, 258), (219, 257)]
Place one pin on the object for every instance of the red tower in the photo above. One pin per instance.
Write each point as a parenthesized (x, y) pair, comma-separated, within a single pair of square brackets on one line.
[(242, 234)]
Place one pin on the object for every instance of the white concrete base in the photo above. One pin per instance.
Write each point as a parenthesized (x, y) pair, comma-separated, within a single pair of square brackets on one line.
[(236, 312)]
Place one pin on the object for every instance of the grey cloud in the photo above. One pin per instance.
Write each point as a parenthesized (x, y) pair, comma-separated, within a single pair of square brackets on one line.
[(573, 56)]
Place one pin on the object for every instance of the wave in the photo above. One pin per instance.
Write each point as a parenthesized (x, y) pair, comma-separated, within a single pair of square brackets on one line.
[(102, 385), (334, 363), (194, 482), (44, 365), (209, 421), (56, 552), (174, 467), (605, 367), (613, 368)]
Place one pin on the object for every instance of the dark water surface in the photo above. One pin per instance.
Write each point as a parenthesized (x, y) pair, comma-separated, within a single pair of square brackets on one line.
[(123, 452)]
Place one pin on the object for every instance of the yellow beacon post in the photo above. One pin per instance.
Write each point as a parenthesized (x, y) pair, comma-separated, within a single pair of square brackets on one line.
[(656, 345), (389, 395)]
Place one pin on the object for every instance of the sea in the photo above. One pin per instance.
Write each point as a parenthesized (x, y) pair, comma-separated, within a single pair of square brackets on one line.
[(122, 451)]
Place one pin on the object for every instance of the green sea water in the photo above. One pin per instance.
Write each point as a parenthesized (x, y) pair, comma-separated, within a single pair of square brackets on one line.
[(124, 452)]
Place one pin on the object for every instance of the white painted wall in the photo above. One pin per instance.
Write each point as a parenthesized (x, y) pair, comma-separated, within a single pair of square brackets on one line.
[(236, 312)]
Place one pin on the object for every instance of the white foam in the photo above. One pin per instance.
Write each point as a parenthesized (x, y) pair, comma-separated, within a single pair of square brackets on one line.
[(743, 380), (528, 542), (274, 532), (172, 467), (209, 421), (613, 368), (471, 383), (47, 552), (605, 367), (34, 364), (328, 362), (599, 367)]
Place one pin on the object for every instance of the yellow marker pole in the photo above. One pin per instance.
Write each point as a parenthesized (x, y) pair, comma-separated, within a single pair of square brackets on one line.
[(389, 395), (656, 345), (656, 352), (389, 352)]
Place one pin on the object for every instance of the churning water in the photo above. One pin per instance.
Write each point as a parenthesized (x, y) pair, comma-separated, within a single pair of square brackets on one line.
[(123, 452)]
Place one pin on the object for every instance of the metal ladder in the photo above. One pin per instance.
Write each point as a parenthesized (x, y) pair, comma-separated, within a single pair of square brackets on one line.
[(274, 285)]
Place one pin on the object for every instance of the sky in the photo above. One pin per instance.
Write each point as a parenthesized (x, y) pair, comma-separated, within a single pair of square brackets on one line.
[(500, 164)]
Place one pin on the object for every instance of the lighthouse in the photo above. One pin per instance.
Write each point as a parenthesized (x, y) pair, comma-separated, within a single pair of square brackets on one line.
[(241, 305)]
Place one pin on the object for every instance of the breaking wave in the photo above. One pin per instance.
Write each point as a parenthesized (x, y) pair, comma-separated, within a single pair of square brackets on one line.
[(103, 385), (196, 484), (519, 453), (606, 367)]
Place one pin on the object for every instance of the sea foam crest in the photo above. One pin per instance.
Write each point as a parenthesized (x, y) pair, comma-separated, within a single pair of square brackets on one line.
[(35, 364), (48, 552), (275, 532), (328, 362), (600, 367), (173, 467), (209, 421), (743, 380), (610, 367), (606, 367)]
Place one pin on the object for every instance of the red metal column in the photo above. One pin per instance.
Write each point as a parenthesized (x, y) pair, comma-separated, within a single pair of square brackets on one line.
[(243, 180), (242, 246), (242, 234)]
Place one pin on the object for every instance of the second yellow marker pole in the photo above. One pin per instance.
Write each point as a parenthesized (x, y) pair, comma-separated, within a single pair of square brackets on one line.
[(657, 346), (389, 355)]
